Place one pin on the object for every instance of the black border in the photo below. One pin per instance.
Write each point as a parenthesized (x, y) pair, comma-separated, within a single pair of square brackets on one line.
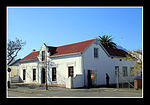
[(6, 3), (73, 2)]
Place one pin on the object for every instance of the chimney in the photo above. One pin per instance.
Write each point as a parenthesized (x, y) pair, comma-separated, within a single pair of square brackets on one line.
[(33, 50)]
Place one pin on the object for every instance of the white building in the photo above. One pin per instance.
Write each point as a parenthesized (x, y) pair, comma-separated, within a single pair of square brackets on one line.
[(71, 65)]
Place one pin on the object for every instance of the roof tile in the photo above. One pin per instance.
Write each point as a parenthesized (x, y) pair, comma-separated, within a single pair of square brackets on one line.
[(74, 48), (32, 56)]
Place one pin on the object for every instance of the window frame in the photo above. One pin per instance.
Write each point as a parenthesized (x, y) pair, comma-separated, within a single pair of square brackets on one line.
[(24, 74), (43, 55), (124, 71), (34, 74), (71, 72), (116, 68), (54, 77), (95, 52), (131, 70)]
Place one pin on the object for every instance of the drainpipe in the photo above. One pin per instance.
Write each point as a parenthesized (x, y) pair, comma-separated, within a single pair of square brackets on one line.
[(38, 71)]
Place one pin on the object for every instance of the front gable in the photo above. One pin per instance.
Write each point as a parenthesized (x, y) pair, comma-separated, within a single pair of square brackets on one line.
[(47, 53), (96, 44)]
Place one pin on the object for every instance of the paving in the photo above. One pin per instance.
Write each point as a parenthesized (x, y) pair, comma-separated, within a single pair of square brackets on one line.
[(28, 90)]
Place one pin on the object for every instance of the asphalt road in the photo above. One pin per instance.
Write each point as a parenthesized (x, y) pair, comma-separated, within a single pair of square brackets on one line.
[(38, 91)]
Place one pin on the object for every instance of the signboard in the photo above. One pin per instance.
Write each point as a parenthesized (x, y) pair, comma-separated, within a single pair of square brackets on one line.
[(9, 70), (92, 76)]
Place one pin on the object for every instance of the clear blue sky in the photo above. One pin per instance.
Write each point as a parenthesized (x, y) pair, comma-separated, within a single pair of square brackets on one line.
[(59, 26)]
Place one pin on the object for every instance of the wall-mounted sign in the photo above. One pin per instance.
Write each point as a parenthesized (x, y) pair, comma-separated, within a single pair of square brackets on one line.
[(92, 76), (9, 70)]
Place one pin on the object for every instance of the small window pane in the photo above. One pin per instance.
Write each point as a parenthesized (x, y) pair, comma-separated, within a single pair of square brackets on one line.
[(54, 74), (125, 72), (24, 74), (34, 74), (43, 55), (95, 52), (70, 71)]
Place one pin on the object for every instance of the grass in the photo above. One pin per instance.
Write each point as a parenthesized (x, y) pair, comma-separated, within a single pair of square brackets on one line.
[(44, 90), (140, 89)]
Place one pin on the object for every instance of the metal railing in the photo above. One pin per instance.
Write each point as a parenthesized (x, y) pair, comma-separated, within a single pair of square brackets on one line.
[(126, 81)]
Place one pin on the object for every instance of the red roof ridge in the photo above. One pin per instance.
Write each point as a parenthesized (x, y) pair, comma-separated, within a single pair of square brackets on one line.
[(77, 42), (34, 51)]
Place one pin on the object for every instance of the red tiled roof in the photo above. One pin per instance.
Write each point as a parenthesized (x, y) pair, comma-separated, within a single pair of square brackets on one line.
[(116, 52), (72, 48), (33, 55), (61, 50)]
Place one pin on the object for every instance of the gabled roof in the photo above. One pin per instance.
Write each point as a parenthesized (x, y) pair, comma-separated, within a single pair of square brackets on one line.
[(61, 50), (32, 56), (116, 52), (72, 48)]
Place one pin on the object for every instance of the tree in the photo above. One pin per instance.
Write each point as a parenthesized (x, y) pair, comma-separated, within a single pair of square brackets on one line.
[(137, 57), (13, 47), (106, 41)]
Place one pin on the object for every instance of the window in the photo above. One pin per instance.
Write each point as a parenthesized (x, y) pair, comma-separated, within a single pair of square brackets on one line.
[(116, 70), (131, 71), (54, 74), (24, 74), (70, 71), (34, 74), (43, 55), (95, 52), (125, 72)]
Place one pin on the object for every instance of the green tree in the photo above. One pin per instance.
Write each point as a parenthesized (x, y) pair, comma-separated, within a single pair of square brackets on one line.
[(106, 41), (137, 57)]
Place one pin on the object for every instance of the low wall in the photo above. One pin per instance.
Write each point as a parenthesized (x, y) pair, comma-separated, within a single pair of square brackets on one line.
[(75, 82), (138, 83)]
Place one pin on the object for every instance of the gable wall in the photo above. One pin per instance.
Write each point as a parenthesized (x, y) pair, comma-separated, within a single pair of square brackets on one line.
[(103, 64)]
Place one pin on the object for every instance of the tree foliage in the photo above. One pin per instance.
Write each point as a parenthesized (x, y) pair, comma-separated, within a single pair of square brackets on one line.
[(107, 41), (13, 47), (137, 57)]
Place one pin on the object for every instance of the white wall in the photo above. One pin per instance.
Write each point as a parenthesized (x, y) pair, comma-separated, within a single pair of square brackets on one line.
[(81, 64), (103, 64), (62, 64), (29, 66)]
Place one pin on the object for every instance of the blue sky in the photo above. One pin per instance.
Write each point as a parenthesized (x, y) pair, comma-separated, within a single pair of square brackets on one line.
[(59, 26)]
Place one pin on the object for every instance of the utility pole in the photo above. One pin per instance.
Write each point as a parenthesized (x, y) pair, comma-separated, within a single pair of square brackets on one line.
[(117, 76), (46, 69), (9, 70)]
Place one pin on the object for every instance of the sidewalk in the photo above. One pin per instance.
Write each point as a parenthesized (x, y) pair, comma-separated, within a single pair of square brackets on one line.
[(28, 90)]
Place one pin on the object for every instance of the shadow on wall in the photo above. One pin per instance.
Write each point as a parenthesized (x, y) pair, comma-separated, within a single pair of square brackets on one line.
[(20, 80), (75, 82), (16, 79)]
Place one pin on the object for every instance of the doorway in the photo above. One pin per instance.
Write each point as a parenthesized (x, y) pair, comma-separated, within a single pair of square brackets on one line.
[(43, 76), (91, 78)]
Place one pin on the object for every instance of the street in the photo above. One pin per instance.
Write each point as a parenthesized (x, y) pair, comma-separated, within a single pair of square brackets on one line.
[(40, 91)]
